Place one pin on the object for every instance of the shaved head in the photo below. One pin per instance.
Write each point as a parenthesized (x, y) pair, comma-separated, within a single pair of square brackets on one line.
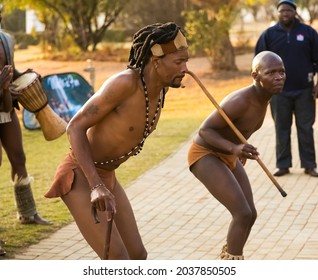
[(263, 59), (268, 72)]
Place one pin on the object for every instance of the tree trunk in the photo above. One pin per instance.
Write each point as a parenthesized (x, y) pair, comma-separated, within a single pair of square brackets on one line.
[(224, 55)]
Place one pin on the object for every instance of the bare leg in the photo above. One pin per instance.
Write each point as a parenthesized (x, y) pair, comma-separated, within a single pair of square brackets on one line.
[(0, 152), (11, 138), (233, 191), (127, 225), (125, 239), (2, 251), (243, 180)]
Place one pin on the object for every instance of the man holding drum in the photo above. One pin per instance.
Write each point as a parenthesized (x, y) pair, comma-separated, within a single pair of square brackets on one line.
[(110, 128), (11, 137)]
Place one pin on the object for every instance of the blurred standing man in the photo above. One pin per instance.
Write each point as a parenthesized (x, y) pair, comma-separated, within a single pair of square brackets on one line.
[(11, 137), (297, 44)]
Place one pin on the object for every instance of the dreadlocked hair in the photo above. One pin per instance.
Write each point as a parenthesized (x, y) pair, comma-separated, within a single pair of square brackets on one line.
[(145, 38)]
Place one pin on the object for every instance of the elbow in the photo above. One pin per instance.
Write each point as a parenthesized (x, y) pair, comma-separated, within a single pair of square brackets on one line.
[(75, 129), (202, 132), (70, 128)]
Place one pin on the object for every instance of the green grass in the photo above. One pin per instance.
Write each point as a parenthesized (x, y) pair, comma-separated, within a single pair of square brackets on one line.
[(184, 111)]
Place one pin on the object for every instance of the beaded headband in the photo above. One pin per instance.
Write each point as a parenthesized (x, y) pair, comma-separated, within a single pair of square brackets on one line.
[(178, 43)]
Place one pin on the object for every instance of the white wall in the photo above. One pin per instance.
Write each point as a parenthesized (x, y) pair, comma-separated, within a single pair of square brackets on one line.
[(32, 22)]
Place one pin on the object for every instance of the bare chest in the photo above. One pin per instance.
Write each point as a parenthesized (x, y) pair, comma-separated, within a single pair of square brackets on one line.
[(124, 131), (251, 122)]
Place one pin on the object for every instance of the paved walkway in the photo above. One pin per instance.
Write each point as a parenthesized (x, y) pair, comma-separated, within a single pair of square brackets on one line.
[(178, 218)]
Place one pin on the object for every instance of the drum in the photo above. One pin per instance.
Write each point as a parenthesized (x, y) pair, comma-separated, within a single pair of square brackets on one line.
[(33, 98)]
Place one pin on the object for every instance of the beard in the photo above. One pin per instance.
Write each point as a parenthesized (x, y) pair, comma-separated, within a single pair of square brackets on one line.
[(176, 84)]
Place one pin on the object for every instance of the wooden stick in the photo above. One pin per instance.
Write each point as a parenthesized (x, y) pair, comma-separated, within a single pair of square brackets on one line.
[(108, 231), (107, 237), (236, 131)]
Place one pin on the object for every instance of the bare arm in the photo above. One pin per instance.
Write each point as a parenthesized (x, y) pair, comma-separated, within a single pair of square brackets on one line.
[(218, 134), (97, 107), (6, 76)]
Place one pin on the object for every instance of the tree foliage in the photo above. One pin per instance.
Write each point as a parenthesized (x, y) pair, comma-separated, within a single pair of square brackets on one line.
[(254, 5), (86, 21), (139, 13), (312, 7), (207, 22), (209, 29)]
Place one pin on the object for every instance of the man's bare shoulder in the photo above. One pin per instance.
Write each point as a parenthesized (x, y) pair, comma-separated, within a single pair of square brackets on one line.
[(239, 98), (123, 81)]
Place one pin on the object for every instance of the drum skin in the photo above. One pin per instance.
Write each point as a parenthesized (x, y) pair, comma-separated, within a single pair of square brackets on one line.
[(33, 98)]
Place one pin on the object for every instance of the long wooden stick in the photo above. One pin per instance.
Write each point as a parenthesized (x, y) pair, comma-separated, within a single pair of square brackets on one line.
[(107, 237), (108, 231), (236, 131)]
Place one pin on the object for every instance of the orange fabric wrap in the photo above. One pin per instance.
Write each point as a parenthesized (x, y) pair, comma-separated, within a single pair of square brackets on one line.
[(196, 152), (64, 177)]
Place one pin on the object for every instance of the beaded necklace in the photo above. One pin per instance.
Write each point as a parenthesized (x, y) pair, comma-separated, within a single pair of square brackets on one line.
[(148, 126)]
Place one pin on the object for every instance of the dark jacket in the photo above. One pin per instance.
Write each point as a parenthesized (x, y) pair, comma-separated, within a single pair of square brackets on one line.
[(298, 49)]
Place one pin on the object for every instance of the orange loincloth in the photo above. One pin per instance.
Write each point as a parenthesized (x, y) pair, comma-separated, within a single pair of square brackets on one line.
[(196, 152), (64, 177)]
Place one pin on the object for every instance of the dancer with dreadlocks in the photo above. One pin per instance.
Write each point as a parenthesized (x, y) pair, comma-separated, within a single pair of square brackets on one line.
[(110, 128)]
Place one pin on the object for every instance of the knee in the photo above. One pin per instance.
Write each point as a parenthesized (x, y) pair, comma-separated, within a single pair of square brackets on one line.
[(144, 255), (254, 216), (246, 217), (141, 255)]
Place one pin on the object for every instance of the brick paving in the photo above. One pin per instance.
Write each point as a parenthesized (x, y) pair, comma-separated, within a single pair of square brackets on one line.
[(179, 220)]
